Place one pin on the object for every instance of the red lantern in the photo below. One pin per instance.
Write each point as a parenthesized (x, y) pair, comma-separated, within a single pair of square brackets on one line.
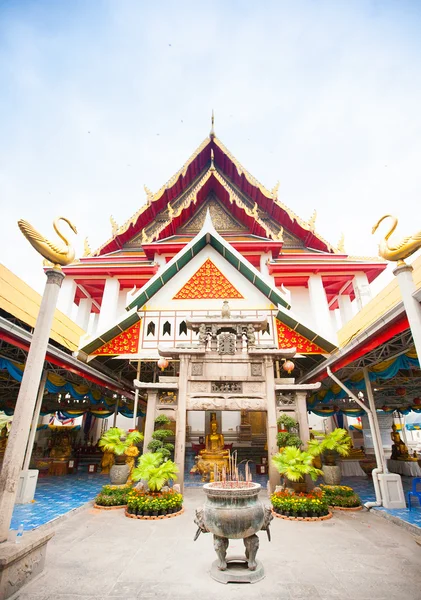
[(288, 366), (400, 391), (416, 401), (162, 363)]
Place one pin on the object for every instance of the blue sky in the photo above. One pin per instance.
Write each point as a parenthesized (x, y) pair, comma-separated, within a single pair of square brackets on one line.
[(100, 97)]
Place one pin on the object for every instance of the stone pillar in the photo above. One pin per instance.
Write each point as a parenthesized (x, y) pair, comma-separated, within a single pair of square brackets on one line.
[(320, 307), (25, 404), (84, 312), (412, 306), (180, 435), (361, 289), (302, 416), (150, 418), (35, 420), (109, 304), (345, 309), (272, 428), (67, 296)]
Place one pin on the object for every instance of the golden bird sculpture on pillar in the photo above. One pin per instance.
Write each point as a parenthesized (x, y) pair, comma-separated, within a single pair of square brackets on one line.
[(397, 251), (57, 254)]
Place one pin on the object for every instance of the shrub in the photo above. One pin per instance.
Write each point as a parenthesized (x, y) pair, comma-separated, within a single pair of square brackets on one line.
[(290, 503), (284, 438), (113, 495), (340, 495), (162, 420)]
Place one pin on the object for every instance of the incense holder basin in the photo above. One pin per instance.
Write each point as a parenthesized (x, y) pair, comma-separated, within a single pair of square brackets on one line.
[(233, 512)]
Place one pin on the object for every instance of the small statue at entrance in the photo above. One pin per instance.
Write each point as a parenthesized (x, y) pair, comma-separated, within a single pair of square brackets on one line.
[(203, 336), (399, 449), (251, 336), (226, 311)]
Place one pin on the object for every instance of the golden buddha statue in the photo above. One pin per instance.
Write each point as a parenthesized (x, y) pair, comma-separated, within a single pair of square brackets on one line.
[(354, 453), (399, 449), (62, 449), (213, 453)]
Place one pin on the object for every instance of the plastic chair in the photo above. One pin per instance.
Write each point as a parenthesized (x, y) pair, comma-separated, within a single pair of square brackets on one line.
[(414, 491)]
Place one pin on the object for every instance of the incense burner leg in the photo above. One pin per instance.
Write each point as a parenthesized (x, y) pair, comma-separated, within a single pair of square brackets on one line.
[(252, 545), (221, 545)]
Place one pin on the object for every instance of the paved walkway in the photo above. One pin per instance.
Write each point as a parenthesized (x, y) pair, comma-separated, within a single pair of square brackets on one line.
[(102, 554)]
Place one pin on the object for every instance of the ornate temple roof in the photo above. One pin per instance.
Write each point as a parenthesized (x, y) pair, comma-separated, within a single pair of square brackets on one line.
[(212, 175)]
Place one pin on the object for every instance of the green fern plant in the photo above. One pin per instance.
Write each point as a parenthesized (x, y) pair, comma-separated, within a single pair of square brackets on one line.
[(117, 440), (152, 468), (294, 464), (337, 441)]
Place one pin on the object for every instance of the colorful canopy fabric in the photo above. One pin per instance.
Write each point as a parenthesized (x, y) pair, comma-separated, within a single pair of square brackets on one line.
[(104, 406)]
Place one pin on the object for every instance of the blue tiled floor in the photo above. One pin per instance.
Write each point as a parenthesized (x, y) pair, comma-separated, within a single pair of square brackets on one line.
[(55, 496)]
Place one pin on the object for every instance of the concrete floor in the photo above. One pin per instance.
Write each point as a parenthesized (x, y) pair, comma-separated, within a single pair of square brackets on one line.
[(102, 554)]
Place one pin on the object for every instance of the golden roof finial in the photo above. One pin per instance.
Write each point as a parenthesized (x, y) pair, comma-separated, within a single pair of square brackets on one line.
[(170, 210), (149, 194), (341, 244), (114, 226), (212, 131), (212, 166), (312, 220), (275, 189), (280, 235), (86, 248)]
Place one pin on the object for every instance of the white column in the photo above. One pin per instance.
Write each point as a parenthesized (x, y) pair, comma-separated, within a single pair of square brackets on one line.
[(345, 309), (272, 428), (93, 325), (25, 403), (412, 306), (150, 418), (109, 304), (136, 397), (320, 307), (122, 303), (84, 312), (180, 435), (67, 296), (361, 289)]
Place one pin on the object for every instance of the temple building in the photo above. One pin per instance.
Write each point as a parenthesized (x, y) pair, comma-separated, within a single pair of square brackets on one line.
[(205, 294)]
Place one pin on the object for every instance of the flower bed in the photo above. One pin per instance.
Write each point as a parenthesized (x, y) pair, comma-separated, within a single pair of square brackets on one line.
[(112, 496), (341, 496), (148, 504), (287, 503)]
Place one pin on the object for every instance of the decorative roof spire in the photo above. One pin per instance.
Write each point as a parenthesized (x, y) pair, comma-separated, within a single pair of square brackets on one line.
[(212, 167), (212, 131), (341, 244), (312, 221), (86, 248), (114, 226)]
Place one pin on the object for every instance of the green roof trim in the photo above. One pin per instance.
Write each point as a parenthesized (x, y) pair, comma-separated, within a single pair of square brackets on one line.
[(305, 332), (111, 333)]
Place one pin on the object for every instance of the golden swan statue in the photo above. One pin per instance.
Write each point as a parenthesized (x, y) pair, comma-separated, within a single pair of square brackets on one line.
[(58, 255), (399, 250)]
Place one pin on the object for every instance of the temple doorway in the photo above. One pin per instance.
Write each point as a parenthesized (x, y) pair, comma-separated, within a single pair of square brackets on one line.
[(243, 432)]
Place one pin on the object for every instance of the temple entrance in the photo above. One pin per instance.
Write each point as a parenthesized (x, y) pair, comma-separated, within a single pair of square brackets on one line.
[(242, 432)]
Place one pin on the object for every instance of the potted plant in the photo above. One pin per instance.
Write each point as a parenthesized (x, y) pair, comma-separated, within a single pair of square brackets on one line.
[(159, 437), (294, 464), (157, 471), (333, 443), (118, 441), (287, 432)]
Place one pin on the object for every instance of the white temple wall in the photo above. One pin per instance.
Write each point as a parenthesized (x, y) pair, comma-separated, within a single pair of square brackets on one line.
[(301, 306), (231, 419), (196, 421)]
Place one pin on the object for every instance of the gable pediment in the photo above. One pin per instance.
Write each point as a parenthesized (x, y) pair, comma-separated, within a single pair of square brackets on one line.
[(221, 218)]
